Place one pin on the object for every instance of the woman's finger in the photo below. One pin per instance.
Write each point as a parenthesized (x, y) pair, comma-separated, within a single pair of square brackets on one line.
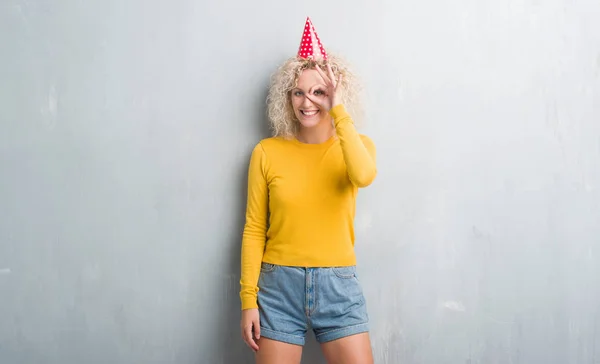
[(314, 100), (245, 336), (249, 339), (324, 103), (323, 75), (331, 76), (256, 329)]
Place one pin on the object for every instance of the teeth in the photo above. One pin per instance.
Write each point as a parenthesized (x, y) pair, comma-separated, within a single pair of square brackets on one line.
[(309, 113)]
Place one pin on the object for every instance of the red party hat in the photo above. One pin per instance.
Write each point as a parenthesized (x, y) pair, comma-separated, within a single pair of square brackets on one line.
[(310, 46)]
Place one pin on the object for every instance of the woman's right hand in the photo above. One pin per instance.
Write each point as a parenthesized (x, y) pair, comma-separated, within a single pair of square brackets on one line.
[(250, 326)]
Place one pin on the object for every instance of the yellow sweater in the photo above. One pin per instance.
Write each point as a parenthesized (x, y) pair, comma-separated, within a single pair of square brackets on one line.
[(301, 202)]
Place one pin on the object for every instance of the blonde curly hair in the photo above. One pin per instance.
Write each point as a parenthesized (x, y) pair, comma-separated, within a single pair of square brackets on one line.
[(281, 115)]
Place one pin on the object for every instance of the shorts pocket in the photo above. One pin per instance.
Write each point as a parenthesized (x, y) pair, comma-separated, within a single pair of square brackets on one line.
[(345, 272), (267, 267)]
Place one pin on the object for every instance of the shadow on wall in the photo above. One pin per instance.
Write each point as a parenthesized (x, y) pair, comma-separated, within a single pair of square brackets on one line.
[(228, 344)]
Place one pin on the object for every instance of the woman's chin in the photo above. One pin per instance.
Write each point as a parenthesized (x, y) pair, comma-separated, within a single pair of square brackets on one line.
[(310, 122)]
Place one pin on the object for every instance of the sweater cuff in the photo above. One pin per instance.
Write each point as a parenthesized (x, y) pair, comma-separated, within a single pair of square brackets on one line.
[(338, 112), (249, 302)]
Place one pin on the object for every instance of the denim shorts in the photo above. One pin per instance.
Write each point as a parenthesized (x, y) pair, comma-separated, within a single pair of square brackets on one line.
[(329, 301)]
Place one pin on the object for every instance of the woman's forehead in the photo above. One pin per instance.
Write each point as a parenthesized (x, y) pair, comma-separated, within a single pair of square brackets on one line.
[(309, 78)]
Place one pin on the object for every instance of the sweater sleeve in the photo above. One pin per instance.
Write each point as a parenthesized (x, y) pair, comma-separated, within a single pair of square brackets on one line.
[(255, 228), (359, 151)]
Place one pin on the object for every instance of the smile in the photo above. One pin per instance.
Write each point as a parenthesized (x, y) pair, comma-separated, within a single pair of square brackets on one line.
[(309, 112)]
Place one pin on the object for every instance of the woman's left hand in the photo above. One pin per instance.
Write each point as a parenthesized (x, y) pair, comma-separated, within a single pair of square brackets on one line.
[(332, 89)]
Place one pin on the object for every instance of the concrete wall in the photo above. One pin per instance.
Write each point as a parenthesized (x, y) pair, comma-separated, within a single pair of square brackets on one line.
[(125, 132)]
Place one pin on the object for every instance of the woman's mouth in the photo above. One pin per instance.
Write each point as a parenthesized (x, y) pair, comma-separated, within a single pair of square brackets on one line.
[(309, 112)]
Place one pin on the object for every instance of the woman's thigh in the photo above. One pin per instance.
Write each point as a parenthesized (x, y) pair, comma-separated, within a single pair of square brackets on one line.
[(354, 349), (276, 352)]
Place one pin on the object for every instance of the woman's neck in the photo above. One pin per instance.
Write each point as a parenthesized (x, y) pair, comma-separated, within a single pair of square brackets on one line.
[(317, 134)]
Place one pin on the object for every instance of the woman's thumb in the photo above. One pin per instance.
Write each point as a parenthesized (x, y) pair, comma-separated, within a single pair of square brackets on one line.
[(257, 329)]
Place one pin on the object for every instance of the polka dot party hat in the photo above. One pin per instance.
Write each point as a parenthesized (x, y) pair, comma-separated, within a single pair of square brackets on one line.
[(310, 45)]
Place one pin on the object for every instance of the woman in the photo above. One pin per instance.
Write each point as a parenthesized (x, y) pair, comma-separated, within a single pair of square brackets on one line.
[(298, 261)]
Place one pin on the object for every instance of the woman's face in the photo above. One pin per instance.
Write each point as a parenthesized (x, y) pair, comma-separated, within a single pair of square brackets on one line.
[(307, 112)]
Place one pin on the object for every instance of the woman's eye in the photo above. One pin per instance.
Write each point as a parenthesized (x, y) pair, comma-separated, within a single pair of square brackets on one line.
[(318, 92), (297, 93)]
